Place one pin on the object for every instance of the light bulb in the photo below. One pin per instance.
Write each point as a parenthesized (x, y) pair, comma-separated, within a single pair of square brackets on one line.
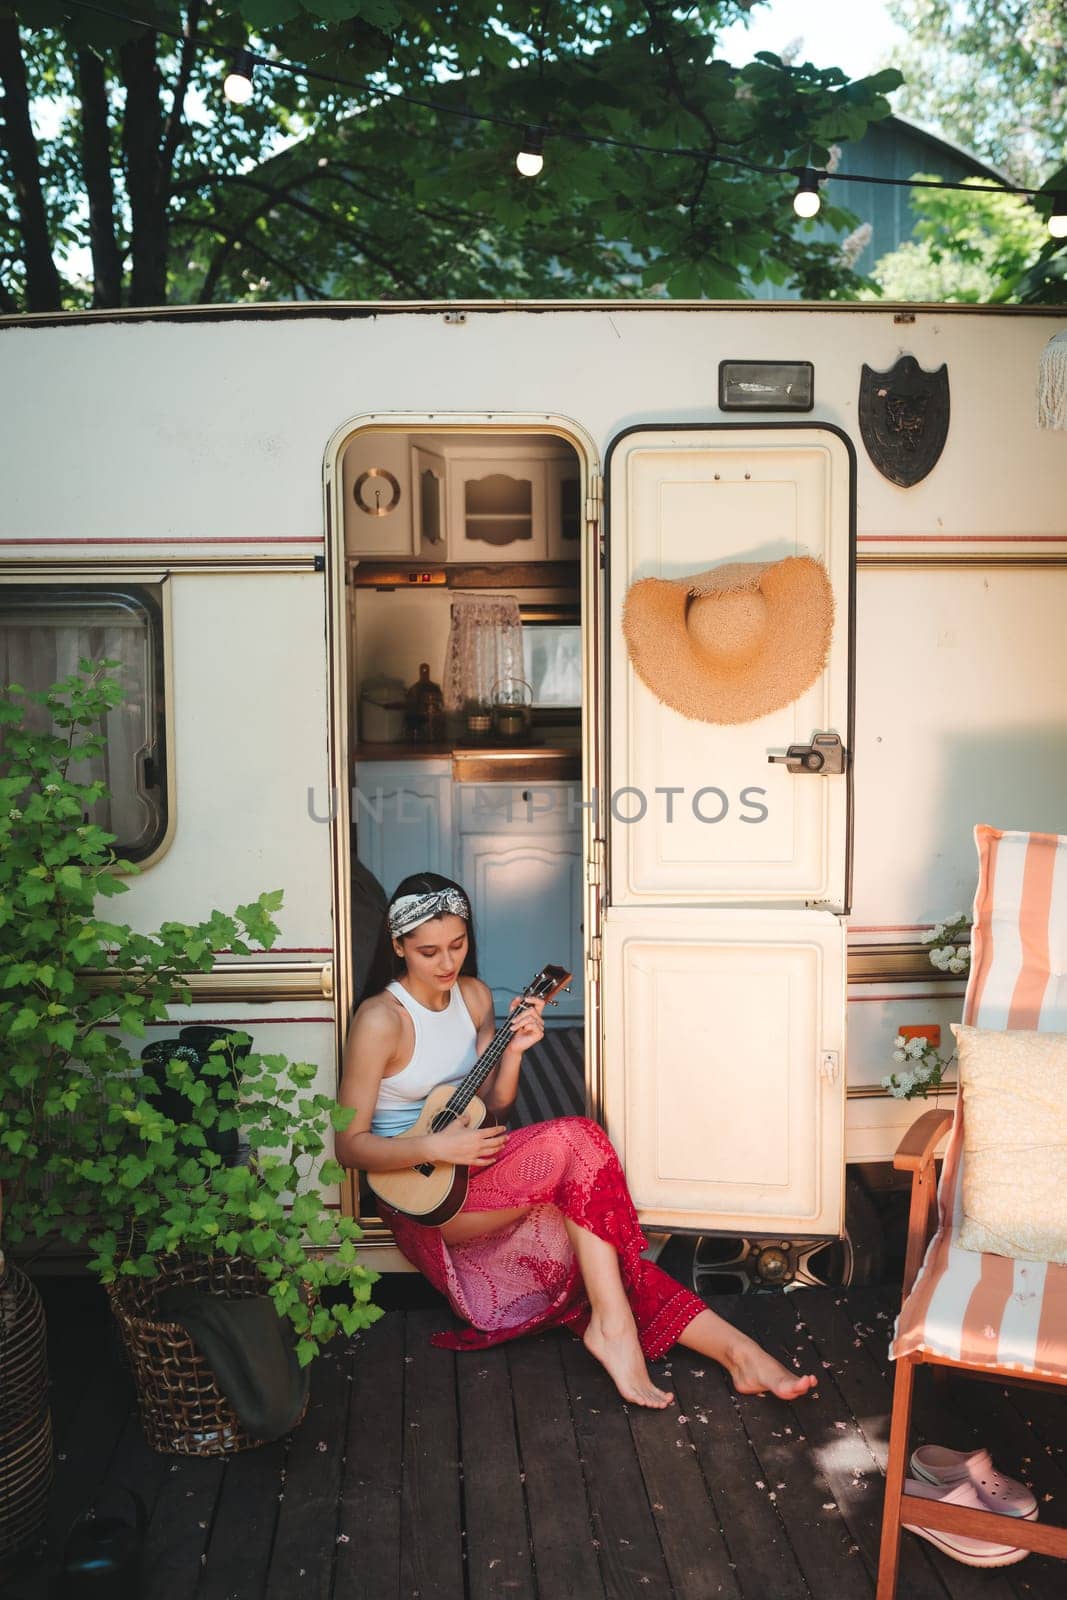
[(806, 201), (238, 86), (530, 159), (1057, 222)]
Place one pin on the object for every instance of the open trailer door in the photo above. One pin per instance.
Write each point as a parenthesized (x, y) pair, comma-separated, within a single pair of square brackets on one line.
[(728, 867)]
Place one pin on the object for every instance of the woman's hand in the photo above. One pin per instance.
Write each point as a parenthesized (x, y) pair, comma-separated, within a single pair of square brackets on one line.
[(469, 1147), (528, 1027)]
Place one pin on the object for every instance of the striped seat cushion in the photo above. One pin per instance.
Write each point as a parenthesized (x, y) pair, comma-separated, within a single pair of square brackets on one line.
[(986, 1310)]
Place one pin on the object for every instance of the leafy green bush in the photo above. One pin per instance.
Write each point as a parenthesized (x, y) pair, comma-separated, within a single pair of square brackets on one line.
[(86, 1153)]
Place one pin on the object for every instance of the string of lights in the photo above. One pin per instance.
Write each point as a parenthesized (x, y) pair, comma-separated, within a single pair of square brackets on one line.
[(239, 87)]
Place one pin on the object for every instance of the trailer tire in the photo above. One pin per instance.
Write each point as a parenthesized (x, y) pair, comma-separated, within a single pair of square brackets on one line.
[(714, 1265)]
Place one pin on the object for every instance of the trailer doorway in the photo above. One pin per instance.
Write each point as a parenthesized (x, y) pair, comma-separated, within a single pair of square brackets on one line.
[(433, 518)]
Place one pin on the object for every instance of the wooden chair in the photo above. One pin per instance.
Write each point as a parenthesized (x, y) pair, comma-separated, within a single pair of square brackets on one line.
[(982, 1315)]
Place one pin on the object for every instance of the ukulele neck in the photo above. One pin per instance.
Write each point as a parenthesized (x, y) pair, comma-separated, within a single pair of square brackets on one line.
[(464, 1093)]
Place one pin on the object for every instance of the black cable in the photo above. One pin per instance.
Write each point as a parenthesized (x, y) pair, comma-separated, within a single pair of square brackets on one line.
[(384, 95)]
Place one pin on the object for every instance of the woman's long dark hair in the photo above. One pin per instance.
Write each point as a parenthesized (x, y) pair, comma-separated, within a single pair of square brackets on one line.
[(386, 965)]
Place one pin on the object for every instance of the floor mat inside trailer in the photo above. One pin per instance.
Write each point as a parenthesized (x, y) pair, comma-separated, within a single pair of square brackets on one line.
[(553, 1079)]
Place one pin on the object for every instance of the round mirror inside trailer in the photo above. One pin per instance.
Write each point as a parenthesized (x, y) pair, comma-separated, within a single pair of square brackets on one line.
[(714, 1264)]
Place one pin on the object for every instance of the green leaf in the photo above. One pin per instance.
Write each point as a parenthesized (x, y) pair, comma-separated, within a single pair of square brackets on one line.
[(25, 1020)]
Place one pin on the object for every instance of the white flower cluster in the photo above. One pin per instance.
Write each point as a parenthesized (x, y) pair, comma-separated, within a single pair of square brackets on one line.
[(951, 944), (856, 243), (926, 1068)]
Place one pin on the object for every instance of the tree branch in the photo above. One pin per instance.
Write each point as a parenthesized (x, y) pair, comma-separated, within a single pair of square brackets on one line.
[(678, 91), (145, 178), (447, 214), (172, 133), (225, 250), (285, 267), (96, 170), (335, 224), (43, 286), (332, 172)]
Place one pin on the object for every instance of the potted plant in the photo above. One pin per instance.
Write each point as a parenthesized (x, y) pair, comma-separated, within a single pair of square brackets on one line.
[(131, 1158)]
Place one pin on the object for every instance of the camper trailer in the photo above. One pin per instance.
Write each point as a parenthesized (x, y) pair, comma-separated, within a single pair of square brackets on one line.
[(277, 517)]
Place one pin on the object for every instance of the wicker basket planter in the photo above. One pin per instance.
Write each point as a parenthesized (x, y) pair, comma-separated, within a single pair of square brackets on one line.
[(25, 1420), (182, 1410)]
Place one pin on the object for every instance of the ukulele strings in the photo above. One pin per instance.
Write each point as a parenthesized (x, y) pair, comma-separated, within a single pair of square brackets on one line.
[(489, 1057)]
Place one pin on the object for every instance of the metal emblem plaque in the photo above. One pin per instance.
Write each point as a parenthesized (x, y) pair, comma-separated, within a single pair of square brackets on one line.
[(904, 419)]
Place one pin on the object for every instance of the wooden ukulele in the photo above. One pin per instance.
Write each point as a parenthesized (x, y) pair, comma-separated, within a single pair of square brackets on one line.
[(433, 1191)]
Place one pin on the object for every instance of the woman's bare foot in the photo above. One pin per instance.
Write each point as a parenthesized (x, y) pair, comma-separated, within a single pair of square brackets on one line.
[(756, 1372), (618, 1350)]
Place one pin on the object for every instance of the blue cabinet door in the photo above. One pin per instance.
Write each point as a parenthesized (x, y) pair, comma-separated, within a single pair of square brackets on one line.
[(527, 901), (402, 814)]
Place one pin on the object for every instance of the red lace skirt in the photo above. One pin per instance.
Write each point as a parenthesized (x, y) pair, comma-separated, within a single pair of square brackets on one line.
[(525, 1277)]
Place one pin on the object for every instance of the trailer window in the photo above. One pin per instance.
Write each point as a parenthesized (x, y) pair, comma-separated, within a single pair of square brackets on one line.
[(44, 631), (552, 655)]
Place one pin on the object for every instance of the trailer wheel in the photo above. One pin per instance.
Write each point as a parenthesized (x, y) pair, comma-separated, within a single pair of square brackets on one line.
[(714, 1265)]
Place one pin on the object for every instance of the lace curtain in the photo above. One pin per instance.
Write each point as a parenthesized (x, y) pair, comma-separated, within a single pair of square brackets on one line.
[(485, 644), (37, 651)]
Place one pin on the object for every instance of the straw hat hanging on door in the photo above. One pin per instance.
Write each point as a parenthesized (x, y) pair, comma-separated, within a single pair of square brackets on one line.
[(734, 643)]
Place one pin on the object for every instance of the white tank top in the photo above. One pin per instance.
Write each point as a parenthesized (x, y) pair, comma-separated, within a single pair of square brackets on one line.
[(445, 1051)]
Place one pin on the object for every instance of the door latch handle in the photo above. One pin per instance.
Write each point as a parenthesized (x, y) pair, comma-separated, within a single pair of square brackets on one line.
[(825, 755)]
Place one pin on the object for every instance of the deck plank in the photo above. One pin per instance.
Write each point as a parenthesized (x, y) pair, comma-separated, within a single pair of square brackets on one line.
[(180, 1528), (839, 1440), (623, 1523), (565, 1556), (756, 1537), (239, 1548), (368, 1563), (499, 1557), (305, 1540), (868, 1395), (694, 1548), (924, 1571), (816, 1522), (431, 1536)]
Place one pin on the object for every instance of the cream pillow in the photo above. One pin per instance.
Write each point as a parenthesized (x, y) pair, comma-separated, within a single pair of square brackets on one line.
[(1014, 1142)]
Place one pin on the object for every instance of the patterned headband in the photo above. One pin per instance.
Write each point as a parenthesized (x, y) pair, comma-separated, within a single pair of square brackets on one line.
[(412, 909)]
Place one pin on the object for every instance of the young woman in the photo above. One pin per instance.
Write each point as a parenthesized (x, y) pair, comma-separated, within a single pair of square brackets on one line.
[(548, 1234)]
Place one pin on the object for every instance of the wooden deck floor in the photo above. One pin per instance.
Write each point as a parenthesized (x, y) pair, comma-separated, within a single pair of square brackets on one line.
[(517, 1474)]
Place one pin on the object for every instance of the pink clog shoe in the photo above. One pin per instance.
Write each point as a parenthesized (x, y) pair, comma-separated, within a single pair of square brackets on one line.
[(972, 1552), (934, 1463)]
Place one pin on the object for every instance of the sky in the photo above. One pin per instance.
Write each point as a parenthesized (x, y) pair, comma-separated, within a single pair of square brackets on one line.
[(855, 35)]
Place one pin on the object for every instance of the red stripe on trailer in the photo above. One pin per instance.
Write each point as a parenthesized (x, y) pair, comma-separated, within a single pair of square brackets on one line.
[(232, 1022), (182, 539)]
